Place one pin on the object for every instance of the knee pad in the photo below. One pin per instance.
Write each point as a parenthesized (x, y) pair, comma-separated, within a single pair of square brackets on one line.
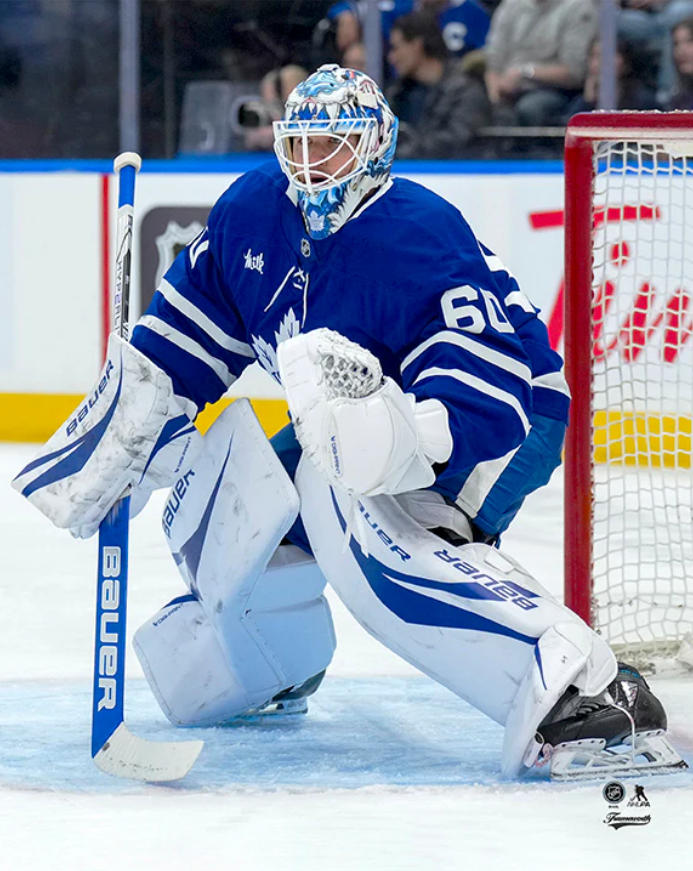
[(283, 637)]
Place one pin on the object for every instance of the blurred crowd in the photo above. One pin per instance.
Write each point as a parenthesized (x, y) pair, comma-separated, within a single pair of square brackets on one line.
[(487, 78), (467, 78)]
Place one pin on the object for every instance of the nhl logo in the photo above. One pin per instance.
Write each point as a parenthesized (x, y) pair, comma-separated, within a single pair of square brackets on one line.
[(163, 233), (614, 792), (171, 242), (305, 247)]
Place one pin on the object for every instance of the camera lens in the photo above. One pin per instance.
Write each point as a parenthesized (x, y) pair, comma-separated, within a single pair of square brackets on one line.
[(254, 113)]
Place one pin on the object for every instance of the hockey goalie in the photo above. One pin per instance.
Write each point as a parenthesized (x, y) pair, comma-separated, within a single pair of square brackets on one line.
[(425, 405)]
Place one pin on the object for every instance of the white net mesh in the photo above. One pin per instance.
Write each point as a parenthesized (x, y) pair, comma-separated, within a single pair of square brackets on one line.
[(642, 369)]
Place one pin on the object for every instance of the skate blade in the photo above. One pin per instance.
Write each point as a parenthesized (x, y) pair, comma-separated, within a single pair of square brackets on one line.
[(581, 760), (273, 710)]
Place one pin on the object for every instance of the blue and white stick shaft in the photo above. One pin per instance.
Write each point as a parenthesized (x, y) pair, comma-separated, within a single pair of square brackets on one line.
[(114, 749)]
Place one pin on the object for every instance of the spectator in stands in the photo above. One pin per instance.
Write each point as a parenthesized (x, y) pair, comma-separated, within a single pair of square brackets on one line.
[(536, 57), (632, 92), (354, 57), (275, 87), (464, 23), (682, 38), (439, 105), (648, 24), (346, 17), (20, 135)]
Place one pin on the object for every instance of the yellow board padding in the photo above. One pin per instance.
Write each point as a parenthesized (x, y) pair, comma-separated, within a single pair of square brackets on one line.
[(273, 414), (34, 417), (642, 439), (629, 438)]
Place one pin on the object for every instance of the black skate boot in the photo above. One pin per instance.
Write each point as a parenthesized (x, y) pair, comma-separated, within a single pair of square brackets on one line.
[(293, 700), (620, 731)]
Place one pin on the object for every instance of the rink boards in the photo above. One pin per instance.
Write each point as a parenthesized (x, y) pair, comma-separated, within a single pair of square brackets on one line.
[(56, 245)]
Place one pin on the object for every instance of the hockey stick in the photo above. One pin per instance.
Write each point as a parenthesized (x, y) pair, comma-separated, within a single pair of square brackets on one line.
[(114, 748)]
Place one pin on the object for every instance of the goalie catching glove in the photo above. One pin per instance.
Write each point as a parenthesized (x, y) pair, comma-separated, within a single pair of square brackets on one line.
[(359, 429), (130, 431)]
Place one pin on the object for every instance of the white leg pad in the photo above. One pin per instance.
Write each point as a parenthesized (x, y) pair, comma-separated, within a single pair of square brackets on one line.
[(470, 617), (253, 629), (186, 666)]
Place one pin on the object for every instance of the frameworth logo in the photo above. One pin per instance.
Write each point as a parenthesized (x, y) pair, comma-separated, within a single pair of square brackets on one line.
[(614, 793)]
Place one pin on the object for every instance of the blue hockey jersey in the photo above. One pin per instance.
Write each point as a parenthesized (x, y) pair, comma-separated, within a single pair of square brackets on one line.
[(405, 278), (463, 23)]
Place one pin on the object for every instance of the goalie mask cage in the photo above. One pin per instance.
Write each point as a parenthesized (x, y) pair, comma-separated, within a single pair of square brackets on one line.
[(629, 363)]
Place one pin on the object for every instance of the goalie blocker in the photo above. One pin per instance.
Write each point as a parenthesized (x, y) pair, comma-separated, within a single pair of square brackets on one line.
[(131, 432)]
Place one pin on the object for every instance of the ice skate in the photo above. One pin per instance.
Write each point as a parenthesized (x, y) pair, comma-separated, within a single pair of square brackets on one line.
[(621, 731), (293, 700)]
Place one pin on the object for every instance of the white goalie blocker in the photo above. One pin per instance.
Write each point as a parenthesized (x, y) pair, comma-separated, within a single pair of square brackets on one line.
[(255, 623), (130, 431)]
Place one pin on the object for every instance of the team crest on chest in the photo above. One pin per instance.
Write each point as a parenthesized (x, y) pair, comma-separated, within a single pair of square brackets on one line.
[(266, 353)]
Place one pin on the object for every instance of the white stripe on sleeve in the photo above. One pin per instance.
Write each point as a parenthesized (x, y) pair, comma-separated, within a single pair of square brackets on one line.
[(478, 485), (518, 297), (552, 381), (502, 361), (480, 385), (198, 317), (495, 264), (190, 346)]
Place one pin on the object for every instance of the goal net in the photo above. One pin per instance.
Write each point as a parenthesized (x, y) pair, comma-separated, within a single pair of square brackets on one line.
[(629, 362)]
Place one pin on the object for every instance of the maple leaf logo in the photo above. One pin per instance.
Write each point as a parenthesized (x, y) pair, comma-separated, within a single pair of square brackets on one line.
[(266, 354)]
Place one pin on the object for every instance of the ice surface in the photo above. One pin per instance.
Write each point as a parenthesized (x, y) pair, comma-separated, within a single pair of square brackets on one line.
[(388, 771)]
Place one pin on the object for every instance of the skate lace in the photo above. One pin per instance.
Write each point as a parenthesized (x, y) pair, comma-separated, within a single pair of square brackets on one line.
[(631, 720), (589, 707)]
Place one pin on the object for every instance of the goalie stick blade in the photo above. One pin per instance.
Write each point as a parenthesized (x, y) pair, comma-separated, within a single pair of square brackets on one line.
[(126, 755)]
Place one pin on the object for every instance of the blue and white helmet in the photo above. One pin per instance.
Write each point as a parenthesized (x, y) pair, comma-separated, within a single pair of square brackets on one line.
[(349, 110)]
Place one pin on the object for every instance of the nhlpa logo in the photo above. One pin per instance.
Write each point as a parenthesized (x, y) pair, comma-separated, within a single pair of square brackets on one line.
[(639, 798), (266, 354), (256, 262)]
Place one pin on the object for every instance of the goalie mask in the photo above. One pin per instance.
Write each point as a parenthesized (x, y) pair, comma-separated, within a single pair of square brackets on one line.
[(335, 144)]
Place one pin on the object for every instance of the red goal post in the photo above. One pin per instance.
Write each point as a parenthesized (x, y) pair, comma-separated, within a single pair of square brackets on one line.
[(629, 364)]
